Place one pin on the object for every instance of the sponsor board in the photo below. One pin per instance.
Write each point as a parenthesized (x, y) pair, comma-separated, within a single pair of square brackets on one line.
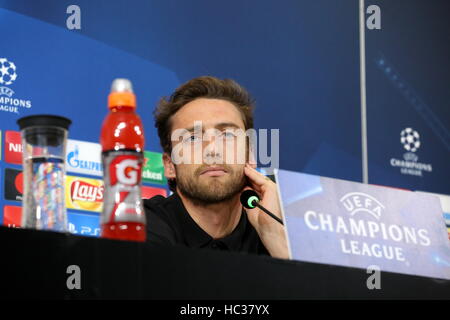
[(352, 224), (12, 216), (153, 169), (83, 224), (13, 187), (84, 157), (84, 194), (150, 192), (13, 147)]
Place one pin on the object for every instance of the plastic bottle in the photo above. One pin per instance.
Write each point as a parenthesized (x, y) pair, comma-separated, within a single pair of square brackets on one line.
[(122, 140)]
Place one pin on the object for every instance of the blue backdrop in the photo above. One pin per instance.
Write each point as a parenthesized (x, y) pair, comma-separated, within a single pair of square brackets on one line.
[(299, 59)]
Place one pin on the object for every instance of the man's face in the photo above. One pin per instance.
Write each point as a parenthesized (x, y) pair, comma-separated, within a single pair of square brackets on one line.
[(212, 166)]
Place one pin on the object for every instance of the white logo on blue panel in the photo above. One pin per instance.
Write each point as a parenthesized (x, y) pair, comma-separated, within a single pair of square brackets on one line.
[(84, 157), (410, 139), (359, 202), (410, 165), (7, 71), (8, 74)]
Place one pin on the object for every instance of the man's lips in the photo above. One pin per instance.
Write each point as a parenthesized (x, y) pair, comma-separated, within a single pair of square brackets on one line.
[(213, 172)]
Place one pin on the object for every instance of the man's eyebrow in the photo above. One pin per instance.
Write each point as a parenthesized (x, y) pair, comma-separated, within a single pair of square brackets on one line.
[(224, 125), (191, 129), (219, 126)]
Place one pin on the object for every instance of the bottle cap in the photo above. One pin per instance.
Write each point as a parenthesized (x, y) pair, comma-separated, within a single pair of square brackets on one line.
[(121, 94)]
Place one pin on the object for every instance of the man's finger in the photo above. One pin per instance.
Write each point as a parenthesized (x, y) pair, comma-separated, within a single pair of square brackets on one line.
[(256, 177)]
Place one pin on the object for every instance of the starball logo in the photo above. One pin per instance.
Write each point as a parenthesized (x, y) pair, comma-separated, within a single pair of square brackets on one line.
[(363, 231), (410, 165), (7, 71), (8, 75), (410, 139)]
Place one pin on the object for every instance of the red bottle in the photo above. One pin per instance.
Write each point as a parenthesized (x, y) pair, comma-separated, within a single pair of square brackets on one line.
[(122, 140)]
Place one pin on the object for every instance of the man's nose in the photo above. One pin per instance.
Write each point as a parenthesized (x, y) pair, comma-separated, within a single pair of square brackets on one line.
[(213, 149)]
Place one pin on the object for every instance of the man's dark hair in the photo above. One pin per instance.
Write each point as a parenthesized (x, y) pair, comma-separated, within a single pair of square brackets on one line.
[(201, 87)]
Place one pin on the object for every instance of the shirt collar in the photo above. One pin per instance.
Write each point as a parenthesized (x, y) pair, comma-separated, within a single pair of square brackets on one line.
[(196, 237)]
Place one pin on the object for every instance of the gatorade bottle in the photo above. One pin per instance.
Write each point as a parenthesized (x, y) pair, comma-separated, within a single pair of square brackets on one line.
[(122, 140)]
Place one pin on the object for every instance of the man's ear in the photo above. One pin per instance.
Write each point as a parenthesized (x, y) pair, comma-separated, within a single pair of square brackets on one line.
[(169, 167)]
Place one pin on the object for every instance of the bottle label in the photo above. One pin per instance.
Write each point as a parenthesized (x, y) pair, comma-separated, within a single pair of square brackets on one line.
[(122, 196)]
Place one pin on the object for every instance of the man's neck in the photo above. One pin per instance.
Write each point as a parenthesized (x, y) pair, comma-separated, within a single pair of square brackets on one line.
[(218, 219)]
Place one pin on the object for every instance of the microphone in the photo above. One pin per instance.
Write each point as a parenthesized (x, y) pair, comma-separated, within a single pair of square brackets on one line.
[(249, 199)]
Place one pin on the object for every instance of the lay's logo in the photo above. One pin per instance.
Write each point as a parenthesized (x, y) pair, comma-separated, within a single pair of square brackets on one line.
[(84, 194), (83, 191)]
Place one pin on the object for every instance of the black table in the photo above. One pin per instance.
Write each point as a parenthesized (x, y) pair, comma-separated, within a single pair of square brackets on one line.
[(34, 265)]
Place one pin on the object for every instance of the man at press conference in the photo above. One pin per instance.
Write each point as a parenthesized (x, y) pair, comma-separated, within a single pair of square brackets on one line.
[(200, 121)]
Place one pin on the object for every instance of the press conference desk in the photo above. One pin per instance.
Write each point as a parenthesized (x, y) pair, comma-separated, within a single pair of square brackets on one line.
[(34, 265)]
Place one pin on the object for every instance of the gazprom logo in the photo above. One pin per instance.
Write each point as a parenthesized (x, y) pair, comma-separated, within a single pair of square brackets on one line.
[(72, 158), (359, 202), (84, 157)]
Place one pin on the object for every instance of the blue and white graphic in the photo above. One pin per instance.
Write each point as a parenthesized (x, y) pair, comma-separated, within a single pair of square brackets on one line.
[(410, 139), (83, 224), (7, 71), (357, 225), (84, 157), (299, 59)]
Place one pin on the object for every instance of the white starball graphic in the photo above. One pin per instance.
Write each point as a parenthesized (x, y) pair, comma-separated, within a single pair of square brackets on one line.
[(7, 71), (410, 139)]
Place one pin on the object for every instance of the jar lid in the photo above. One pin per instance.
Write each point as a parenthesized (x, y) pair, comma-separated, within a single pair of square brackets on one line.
[(44, 120)]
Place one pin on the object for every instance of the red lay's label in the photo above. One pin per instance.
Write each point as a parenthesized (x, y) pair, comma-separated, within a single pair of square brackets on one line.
[(84, 191), (84, 194)]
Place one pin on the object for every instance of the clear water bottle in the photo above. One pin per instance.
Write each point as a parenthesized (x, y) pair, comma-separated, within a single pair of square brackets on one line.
[(44, 139)]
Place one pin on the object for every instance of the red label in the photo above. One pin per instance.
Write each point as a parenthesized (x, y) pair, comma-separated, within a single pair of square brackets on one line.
[(83, 191), (126, 170), (149, 192), (12, 216), (18, 183), (13, 147)]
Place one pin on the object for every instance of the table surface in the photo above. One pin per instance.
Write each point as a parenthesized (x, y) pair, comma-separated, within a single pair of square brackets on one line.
[(34, 265)]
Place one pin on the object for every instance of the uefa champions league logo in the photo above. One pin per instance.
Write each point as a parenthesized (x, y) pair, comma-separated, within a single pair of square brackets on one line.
[(410, 139), (7, 72), (360, 202), (8, 103)]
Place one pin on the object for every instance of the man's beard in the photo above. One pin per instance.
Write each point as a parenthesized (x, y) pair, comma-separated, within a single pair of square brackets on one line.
[(215, 190)]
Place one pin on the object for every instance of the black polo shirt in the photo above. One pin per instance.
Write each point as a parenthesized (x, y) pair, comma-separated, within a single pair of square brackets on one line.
[(168, 222)]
